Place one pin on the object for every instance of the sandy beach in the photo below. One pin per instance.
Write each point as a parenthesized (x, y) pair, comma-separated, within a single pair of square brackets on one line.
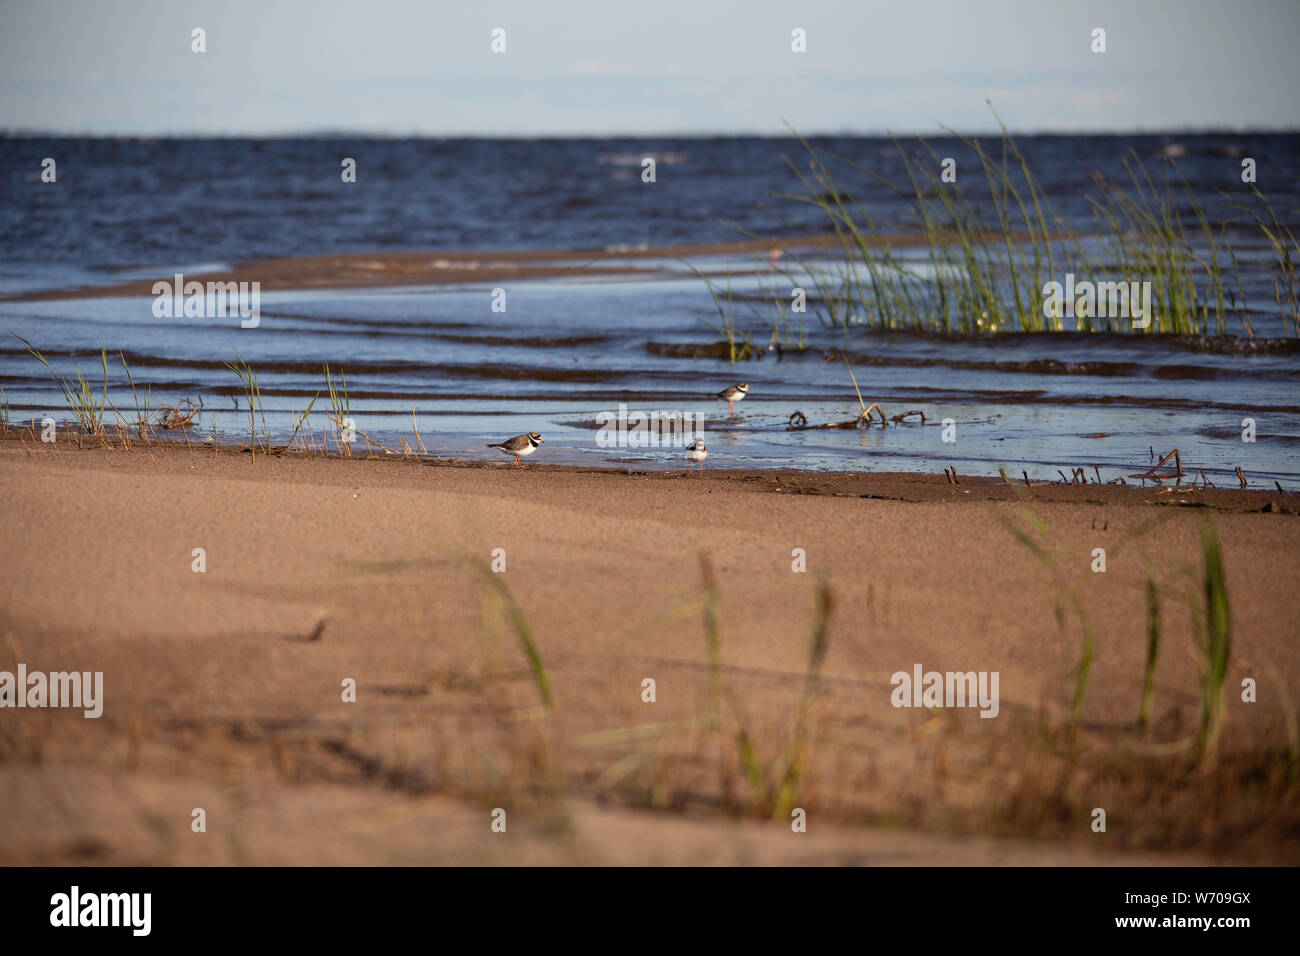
[(223, 689)]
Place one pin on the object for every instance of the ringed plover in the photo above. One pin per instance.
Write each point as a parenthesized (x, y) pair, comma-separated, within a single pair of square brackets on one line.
[(696, 451), (733, 394), (520, 445)]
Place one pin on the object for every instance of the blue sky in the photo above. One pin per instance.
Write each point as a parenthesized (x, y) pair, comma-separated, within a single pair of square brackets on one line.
[(654, 67)]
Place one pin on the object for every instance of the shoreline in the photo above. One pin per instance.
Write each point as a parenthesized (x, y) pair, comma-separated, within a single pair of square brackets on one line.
[(901, 486)]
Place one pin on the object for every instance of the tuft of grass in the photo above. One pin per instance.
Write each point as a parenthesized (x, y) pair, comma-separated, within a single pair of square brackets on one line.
[(1035, 538), (1286, 249), (1083, 670), (1292, 731), (1214, 641), (796, 763), (713, 633), (773, 788), (78, 392), (740, 344), (252, 394), (297, 427), (142, 413), (419, 440), (340, 408), (519, 621), (1153, 650)]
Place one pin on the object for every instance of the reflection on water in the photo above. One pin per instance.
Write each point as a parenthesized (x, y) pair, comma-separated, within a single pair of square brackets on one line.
[(564, 353)]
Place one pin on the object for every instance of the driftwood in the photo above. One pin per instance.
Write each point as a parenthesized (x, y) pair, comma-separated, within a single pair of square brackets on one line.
[(177, 416), (1079, 476), (798, 421), (1155, 474)]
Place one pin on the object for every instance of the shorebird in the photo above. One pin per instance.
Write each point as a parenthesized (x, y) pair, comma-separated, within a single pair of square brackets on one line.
[(733, 394), (696, 451), (520, 445)]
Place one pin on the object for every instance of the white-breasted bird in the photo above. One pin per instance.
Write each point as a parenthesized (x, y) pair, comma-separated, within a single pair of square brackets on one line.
[(696, 451), (519, 446), (733, 394)]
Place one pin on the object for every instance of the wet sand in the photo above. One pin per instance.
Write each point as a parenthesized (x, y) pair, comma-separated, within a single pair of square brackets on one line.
[(223, 688), (381, 269), (363, 270)]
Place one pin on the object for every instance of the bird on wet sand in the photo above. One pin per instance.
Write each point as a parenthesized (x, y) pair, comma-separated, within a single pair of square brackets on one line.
[(733, 394), (696, 451), (519, 446)]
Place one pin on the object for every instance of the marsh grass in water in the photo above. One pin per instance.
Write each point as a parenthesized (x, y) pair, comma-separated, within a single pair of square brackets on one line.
[(252, 395), (90, 408), (739, 345), (1286, 249), (340, 408), (299, 421), (78, 392), (979, 264), (142, 421)]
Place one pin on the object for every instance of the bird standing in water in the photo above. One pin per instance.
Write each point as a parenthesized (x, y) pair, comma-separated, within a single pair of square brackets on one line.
[(696, 451), (733, 394)]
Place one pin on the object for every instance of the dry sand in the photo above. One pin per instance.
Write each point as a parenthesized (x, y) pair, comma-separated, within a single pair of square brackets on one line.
[(216, 695)]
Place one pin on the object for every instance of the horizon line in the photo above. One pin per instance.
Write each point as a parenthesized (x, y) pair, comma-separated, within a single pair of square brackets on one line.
[(939, 133)]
